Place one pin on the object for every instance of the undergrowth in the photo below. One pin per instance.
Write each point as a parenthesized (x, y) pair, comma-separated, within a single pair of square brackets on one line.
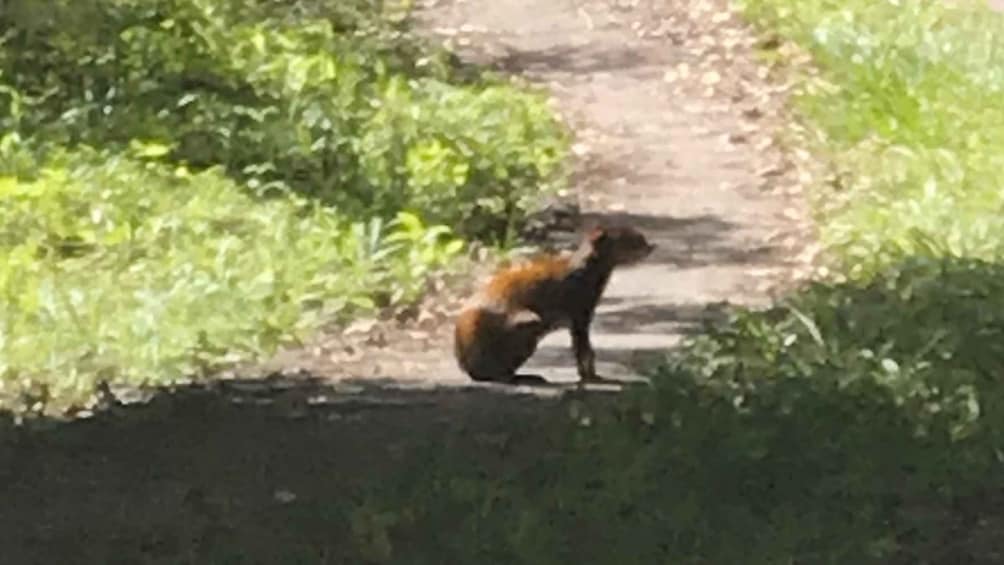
[(185, 183)]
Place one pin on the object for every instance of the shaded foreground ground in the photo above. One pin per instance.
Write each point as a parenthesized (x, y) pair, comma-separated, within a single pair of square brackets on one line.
[(285, 471), (245, 472)]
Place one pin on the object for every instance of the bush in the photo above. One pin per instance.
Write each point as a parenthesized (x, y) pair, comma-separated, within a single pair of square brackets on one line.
[(333, 101)]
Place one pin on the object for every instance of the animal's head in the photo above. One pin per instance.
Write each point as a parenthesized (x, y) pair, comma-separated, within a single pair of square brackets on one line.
[(623, 245)]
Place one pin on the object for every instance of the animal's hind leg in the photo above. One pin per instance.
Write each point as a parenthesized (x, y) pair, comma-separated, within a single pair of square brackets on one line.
[(525, 330), (508, 350)]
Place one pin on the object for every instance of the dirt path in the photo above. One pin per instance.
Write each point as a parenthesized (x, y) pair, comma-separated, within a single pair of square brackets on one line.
[(669, 113)]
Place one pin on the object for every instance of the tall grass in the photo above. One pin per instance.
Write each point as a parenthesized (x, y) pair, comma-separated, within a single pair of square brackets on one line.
[(908, 110)]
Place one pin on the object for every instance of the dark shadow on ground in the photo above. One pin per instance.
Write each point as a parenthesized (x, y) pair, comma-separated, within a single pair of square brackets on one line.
[(482, 50), (632, 359), (682, 242), (634, 336), (579, 60), (623, 316), (256, 471)]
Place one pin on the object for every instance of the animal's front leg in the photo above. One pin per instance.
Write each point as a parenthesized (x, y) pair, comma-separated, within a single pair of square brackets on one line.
[(585, 358)]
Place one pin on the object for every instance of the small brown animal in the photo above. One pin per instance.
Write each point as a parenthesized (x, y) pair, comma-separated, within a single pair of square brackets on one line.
[(502, 326)]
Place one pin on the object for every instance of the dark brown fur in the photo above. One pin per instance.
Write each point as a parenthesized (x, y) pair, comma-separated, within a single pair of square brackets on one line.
[(502, 326)]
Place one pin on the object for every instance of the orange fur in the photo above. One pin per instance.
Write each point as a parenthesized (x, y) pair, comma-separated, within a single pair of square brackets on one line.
[(515, 285), (499, 330)]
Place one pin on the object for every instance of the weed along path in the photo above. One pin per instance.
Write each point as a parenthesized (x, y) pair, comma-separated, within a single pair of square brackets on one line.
[(671, 119)]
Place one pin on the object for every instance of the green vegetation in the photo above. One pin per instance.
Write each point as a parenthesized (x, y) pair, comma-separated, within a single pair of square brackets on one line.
[(854, 422), (187, 182), (907, 111)]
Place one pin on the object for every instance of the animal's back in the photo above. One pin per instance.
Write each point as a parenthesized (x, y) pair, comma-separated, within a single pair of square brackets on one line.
[(526, 285)]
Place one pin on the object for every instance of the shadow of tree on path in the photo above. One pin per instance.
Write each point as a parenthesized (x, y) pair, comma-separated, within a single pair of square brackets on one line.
[(263, 471)]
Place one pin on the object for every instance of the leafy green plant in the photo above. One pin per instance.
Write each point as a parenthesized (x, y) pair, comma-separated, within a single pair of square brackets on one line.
[(348, 110), (106, 282)]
